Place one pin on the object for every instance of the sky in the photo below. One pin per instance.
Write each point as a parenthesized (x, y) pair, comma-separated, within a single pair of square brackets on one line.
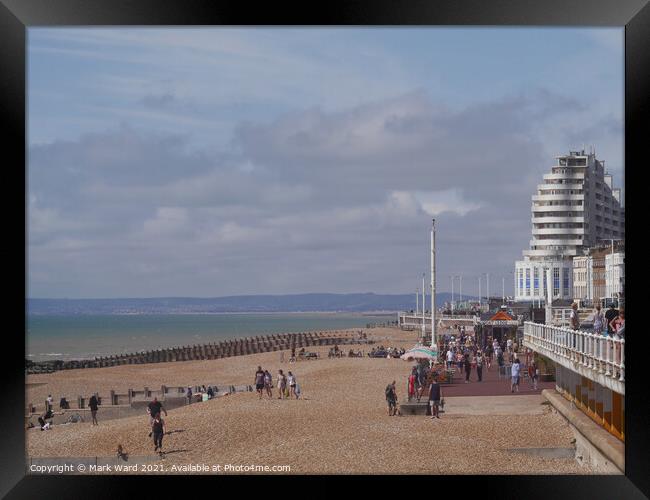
[(226, 161)]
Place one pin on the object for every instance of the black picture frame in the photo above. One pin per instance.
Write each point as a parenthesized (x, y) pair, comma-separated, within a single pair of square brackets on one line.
[(18, 15)]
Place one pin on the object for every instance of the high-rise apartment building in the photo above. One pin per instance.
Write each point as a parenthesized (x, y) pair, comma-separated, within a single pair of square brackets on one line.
[(575, 208)]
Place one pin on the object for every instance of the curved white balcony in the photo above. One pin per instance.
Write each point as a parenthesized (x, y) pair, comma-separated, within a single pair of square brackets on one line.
[(559, 230), (557, 208), (548, 218), (562, 187), (569, 252), (558, 197), (564, 176), (544, 243)]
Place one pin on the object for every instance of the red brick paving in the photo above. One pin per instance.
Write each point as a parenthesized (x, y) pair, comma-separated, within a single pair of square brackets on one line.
[(491, 384)]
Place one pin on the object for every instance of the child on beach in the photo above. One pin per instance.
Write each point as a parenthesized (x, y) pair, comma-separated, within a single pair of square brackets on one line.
[(268, 383), (282, 384), (158, 430)]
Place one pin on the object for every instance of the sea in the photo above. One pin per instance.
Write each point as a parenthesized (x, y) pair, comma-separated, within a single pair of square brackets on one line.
[(69, 337)]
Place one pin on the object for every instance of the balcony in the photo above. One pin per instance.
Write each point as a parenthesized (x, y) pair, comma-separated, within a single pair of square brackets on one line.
[(557, 208), (558, 197), (558, 230), (596, 357)]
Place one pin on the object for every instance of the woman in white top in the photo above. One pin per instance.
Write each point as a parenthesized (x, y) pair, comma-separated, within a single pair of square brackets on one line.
[(291, 379)]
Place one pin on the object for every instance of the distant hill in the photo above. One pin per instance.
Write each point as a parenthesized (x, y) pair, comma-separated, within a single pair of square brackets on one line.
[(310, 302)]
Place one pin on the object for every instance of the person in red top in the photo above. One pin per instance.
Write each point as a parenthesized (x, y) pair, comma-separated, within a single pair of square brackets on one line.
[(412, 378)]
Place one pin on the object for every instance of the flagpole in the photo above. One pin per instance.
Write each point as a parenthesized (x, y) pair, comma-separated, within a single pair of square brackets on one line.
[(433, 283)]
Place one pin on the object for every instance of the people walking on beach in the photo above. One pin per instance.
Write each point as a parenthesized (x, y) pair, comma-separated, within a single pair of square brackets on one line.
[(282, 384), (158, 430), (468, 368), (435, 395), (154, 408), (49, 402), (516, 368), (291, 379), (450, 359), (479, 366), (189, 395), (259, 381), (93, 405), (268, 383), (391, 398)]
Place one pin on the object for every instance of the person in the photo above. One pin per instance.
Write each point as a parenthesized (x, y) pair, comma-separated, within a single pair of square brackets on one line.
[(533, 373), (291, 378), (49, 402), (158, 431), (610, 315), (516, 368), (411, 384), (93, 404), (499, 357), (435, 395), (391, 398), (468, 368), (450, 358), (189, 396), (259, 381), (618, 322), (210, 392), (63, 404), (460, 361), (268, 383), (282, 384), (479, 366), (488, 356), (599, 320), (574, 319), (154, 408), (293, 355)]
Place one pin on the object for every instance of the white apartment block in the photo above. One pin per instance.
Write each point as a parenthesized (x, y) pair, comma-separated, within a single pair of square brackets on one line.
[(575, 207), (615, 274)]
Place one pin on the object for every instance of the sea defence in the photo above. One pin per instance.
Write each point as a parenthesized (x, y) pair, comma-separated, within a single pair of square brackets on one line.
[(223, 349)]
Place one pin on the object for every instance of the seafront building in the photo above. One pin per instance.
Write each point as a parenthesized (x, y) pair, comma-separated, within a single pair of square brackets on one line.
[(576, 207), (599, 275)]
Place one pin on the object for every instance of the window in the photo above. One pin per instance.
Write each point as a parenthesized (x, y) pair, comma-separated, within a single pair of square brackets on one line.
[(521, 279), (527, 281), (556, 281), (565, 279), (536, 280)]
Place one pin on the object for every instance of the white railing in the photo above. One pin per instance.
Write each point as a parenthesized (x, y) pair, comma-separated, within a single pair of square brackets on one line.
[(451, 317), (595, 356)]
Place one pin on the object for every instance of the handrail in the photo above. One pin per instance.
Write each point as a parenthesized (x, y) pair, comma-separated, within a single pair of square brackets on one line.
[(602, 354)]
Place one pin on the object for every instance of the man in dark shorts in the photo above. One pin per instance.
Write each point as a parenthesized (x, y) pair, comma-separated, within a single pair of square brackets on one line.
[(435, 395), (158, 431), (93, 404), (154, 408), (609, 316), (259, 381), (391, 398)]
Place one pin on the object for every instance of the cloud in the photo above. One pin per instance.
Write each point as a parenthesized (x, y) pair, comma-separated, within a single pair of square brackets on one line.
[(313, 200)]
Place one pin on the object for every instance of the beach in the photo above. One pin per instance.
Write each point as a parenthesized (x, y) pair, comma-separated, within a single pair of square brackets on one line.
[(340, 425)]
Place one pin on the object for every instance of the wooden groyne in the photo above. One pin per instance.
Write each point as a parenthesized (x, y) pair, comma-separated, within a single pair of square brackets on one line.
[(223, 349)]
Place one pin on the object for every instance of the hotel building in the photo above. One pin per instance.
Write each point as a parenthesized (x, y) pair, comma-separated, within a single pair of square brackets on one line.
[(576, 207)]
